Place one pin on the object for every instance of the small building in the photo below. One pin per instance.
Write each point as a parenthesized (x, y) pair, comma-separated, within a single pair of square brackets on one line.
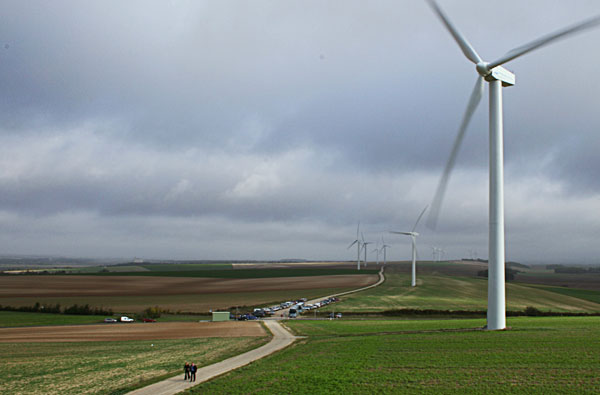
[(220, 316)]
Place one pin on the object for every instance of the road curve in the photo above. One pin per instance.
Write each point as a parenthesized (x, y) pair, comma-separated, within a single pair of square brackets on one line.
[(281, 314), (281, 339)]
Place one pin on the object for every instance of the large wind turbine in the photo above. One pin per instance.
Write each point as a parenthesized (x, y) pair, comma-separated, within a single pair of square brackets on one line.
[(357, 242), (497, 77), (413, 235)]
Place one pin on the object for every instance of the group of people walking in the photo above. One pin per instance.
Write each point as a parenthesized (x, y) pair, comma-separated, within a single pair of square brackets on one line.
[(190, 370)]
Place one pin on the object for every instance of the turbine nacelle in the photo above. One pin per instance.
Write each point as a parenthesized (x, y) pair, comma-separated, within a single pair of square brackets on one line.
[(497, 73)]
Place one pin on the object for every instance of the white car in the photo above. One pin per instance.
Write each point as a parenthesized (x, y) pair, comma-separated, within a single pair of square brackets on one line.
[(126, 319)]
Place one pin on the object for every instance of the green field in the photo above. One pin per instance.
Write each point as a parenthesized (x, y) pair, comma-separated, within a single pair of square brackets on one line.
[(442, 292), (539, 355), (14, 318), (585, 294), (106, 367)]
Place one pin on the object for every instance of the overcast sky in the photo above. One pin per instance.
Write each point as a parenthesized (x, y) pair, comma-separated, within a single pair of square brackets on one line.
[(268, 129)]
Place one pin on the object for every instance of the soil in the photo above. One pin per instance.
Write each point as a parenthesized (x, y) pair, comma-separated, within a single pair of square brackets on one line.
[(68, 286), (130, 331)]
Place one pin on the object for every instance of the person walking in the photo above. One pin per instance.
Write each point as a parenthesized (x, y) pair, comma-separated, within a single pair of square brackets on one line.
[(193, 369), (186, 369)]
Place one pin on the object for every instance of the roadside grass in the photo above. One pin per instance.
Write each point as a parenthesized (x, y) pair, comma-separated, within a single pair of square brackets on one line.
[(15, 318), (539, 355), (196, 303), (106, 367), (456, 293), (239, 273)]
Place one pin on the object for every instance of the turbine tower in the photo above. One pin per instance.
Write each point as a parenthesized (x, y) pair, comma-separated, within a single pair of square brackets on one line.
[(357, 242), (497, 77), (413, 235)]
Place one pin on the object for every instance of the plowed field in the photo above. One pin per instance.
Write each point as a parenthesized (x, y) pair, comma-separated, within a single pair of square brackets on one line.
[(67, 286), (132, 331)]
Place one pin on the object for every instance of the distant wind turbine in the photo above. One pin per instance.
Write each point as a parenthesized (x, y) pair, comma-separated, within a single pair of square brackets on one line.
[(497, 77), (384, 247), (376, 250), (357, 242), (413, 235), (365, 244)]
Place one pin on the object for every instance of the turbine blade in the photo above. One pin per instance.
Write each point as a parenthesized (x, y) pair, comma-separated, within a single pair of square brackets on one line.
[(462, 42), (354, 242), (544, 40), (441, 189), (418, 219), (401, 233)]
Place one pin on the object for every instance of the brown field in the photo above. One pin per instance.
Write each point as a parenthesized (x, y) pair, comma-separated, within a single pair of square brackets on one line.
[(190, 294), (48, 286), (131, 331)]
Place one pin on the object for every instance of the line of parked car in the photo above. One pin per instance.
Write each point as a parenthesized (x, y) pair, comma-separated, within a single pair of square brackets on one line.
[(295, 307)]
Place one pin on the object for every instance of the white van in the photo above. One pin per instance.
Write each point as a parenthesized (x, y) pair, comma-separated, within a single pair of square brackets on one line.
[(126, 319)]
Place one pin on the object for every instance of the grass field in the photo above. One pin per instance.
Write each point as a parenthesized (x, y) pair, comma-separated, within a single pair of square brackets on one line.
[(106, 367), (539, 355), (460, 293), (13, 318)]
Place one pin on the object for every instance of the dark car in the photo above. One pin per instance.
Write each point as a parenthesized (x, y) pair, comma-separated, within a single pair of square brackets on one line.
[(148, 320), (110, 320)]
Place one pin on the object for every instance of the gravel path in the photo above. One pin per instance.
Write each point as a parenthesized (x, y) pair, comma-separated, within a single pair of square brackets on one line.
[(281, 339)]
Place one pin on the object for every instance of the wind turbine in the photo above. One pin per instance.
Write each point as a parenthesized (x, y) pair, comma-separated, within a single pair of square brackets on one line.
[(376, 250), (413, 235), (497, 77), (365, 244), (384, 247), (357, 242)]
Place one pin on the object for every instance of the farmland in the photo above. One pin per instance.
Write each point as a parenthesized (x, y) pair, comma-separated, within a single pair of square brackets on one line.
[(439, 289), (179, 291), (106, 367), (539, 355)]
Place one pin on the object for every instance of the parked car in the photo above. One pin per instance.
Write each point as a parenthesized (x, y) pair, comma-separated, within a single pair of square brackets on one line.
[(148, 320), (126, 319), (293, 313), (110, 320)]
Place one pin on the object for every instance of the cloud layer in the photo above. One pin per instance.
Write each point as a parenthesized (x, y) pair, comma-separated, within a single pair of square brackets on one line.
[(267, 130)]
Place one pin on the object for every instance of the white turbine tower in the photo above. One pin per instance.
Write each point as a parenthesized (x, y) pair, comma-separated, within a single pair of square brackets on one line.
[(365, 244), (497, 77), (384, 247), (357, 242), (413, 235)]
